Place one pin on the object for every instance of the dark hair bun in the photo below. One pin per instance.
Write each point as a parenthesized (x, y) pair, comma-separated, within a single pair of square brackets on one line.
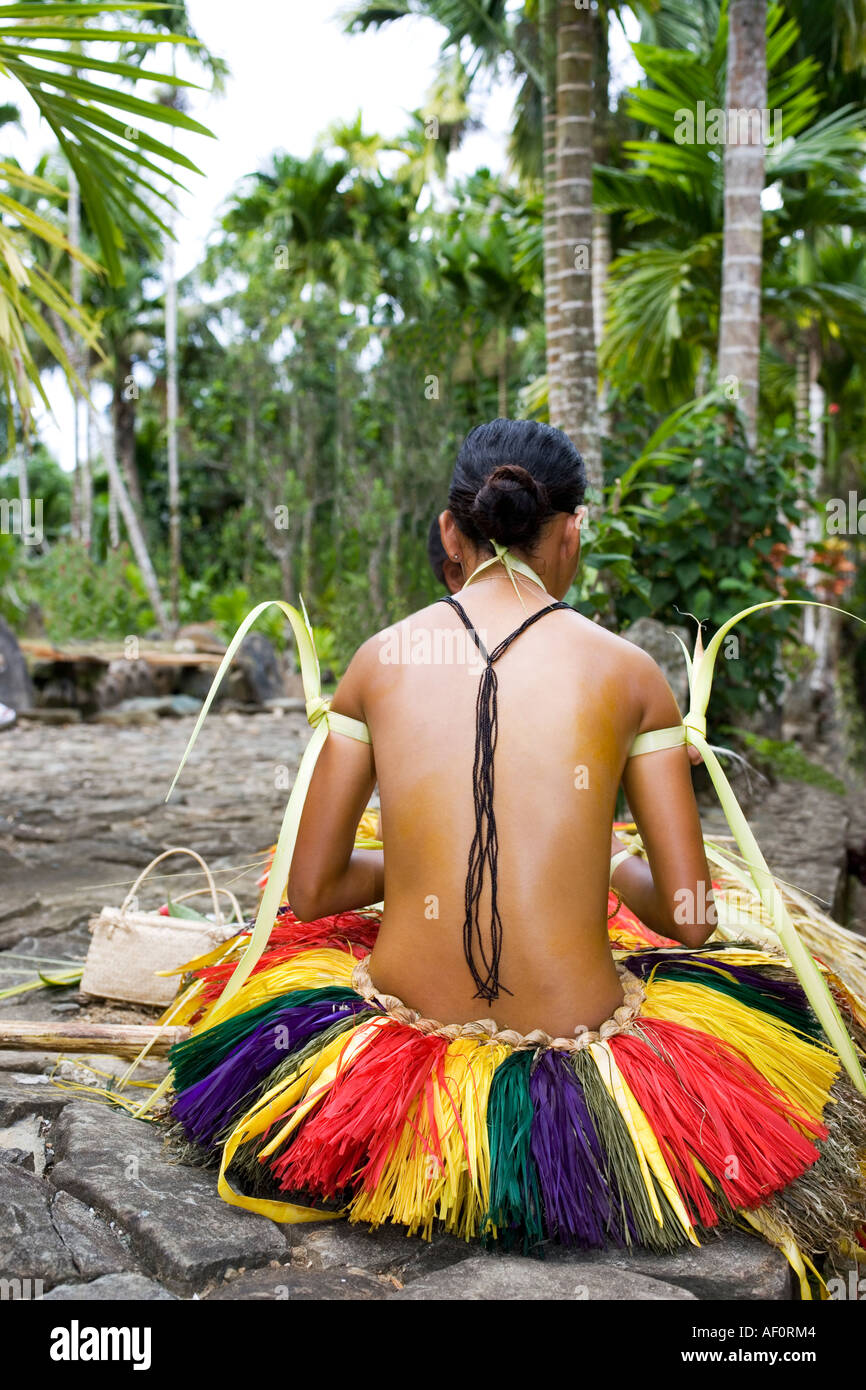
[(510, 505), (510, 478)]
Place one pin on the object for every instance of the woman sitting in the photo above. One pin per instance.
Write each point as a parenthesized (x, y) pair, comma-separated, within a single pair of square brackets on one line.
[(485, 1054)]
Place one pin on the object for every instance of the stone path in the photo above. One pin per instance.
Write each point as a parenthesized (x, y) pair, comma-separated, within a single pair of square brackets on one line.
[(91, 1206)]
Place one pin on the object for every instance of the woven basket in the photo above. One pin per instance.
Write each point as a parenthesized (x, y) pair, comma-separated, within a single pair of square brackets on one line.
[(130, 947)]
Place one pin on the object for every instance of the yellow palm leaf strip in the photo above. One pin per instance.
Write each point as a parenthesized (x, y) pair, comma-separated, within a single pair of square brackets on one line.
[(819, 996), (774, 1231), (317, 712), (267, 1111), (649, 1155)]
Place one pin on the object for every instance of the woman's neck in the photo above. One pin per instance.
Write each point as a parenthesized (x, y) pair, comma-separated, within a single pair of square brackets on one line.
[(505, 564)]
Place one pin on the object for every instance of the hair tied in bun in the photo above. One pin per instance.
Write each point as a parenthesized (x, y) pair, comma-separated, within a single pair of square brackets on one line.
[(510, 505)]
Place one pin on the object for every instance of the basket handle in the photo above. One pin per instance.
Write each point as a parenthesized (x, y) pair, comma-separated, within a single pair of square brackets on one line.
[(196, 892), (176, 849)]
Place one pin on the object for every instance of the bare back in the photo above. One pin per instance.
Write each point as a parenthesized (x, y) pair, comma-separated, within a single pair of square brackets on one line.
[(571, 698)]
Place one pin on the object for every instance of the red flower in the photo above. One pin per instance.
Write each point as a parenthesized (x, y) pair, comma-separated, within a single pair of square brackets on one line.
[(833, 408)]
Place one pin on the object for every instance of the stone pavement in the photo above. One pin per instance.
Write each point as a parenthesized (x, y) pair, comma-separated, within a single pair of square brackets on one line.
[(91, 1205)]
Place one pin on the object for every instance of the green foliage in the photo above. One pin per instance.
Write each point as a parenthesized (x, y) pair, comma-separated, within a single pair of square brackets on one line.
[(229, 609), (667, 207), (91, 120), (788, 762), (83, 599), (326, 646), (348, 325), (183, 910), (703, 529), (12, 608), (48, 484)]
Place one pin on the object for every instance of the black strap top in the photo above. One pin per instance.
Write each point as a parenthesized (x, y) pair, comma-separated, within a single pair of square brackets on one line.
[(484, 850)]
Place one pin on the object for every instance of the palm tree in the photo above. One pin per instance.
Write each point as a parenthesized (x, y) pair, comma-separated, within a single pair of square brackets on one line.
[(551, 229), (550, 42), (173, 19), (745, 103), (663, 323), (115, 174), (324, 254), (92, 123), (576, 361), (478, 250)]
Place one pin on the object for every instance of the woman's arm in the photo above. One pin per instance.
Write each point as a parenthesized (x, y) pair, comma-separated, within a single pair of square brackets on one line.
[(328, 874), (672, 893)]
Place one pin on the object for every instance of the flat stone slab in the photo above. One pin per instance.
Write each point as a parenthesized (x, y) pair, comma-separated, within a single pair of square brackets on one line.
[(30, 1245), (120, 1288), (96, 1249), (732, 1267), (177, 1225), (384, 1250), (24, 1136), (491, 1278), (107, 1068), (50, 1235), (27, 1093), (21, 1158), (291, 1285)]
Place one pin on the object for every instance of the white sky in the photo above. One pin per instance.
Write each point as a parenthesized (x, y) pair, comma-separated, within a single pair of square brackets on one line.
[(293, 73)]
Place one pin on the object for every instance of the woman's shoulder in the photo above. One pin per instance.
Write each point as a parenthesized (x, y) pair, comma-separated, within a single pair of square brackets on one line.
[(380, 648), (632, 668), (616, 644)]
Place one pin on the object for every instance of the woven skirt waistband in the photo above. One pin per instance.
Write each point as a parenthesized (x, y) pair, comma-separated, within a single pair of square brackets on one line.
[(621, 1021)]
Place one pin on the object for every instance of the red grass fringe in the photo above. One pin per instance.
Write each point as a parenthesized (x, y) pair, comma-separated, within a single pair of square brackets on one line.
[(701, 1098)]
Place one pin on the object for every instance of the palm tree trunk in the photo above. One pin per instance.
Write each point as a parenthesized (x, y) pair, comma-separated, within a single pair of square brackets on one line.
[(124, 502), (601, 252), (23, 476), (801, 403), (171, 397), (130, 521), (818, 623), (746, 92), (800, 530), (308, 421), (306, 586), (337, 513), (601, 258), (280, 540), (28, 515), (113, 518), (123, 415), (82, 481), (374, 582), (578, 373), (249, 490), (395, 586), (550, 230), (502, 368)]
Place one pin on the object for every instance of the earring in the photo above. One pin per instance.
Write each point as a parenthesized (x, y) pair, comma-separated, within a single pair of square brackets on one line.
[(456, 557)]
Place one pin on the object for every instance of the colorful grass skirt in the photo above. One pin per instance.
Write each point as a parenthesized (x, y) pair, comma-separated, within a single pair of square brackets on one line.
[(709, 1098)]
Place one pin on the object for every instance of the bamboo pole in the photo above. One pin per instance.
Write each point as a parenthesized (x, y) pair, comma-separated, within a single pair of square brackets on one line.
[(116, 1039)]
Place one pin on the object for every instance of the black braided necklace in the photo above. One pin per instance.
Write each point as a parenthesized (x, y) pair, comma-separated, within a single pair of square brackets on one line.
[(484, 850)]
